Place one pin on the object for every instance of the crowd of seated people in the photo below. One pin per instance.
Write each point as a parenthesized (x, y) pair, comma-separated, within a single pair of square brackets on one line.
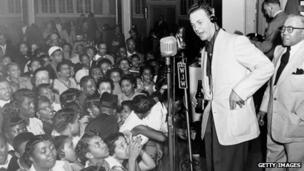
[(76, 103)]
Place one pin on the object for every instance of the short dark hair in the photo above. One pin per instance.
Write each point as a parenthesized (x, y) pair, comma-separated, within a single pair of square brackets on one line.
[(105, 80), (110, 141), (149, 67), (114, 70), (201, 5), (68, 96), (30, 147), (104, 60), (129, 78), (142, 104), (82, 147), (135, 56), (123, 59), (19, 96), (58, 68), (130, 39), (62, 118), (21, 138), (85, 79)]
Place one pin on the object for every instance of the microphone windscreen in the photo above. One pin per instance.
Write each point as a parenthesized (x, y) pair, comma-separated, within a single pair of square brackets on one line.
[(168, 46)]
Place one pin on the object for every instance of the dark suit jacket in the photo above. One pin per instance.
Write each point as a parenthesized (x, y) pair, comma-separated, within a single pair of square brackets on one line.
[(272, 35), (104, 125)]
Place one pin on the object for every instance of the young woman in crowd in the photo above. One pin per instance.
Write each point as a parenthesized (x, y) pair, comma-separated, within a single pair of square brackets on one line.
[(115, 75), (124, 65), (45, 113), (128, 86), (40, 155), (92, 151), (66, 152), (14, 78)]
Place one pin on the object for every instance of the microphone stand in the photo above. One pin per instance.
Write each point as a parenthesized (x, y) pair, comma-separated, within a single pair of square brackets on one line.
[(171, 132), (183, 62)]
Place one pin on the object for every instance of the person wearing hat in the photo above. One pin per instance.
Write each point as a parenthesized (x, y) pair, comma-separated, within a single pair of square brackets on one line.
[(56, 56), (106, 123)]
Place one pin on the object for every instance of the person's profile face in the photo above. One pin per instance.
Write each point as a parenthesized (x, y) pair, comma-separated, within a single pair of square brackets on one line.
[(69, 152), (202, 25), (121, 150), (44, 155), (267, 10), (45, 111), (75, 127)]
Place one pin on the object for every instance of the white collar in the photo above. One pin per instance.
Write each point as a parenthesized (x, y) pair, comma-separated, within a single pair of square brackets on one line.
[(295, 47), (275, 14)]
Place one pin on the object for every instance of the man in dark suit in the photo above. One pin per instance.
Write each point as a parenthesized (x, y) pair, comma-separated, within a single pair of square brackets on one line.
[(5, 48), (272, 10)]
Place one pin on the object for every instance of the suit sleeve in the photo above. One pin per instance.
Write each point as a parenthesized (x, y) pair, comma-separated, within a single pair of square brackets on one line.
[(265, 100), (260, 67)]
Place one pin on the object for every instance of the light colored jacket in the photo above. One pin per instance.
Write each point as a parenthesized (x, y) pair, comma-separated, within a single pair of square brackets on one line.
[(239, 66)]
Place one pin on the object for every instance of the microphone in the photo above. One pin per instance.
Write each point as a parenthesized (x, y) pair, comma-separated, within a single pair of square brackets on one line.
[(168, 46)]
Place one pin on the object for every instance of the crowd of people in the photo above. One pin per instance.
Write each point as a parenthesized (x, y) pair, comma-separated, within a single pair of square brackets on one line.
[(72, 100)]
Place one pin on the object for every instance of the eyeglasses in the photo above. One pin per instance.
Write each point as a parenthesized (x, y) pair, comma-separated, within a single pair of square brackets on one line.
[(289, 29)]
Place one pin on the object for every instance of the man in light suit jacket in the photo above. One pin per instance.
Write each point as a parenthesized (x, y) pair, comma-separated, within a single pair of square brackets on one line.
[(272, 10), (284, 97), (233, 70)]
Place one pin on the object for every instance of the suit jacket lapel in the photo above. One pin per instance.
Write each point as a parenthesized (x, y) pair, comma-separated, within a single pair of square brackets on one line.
[(294, 60)]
